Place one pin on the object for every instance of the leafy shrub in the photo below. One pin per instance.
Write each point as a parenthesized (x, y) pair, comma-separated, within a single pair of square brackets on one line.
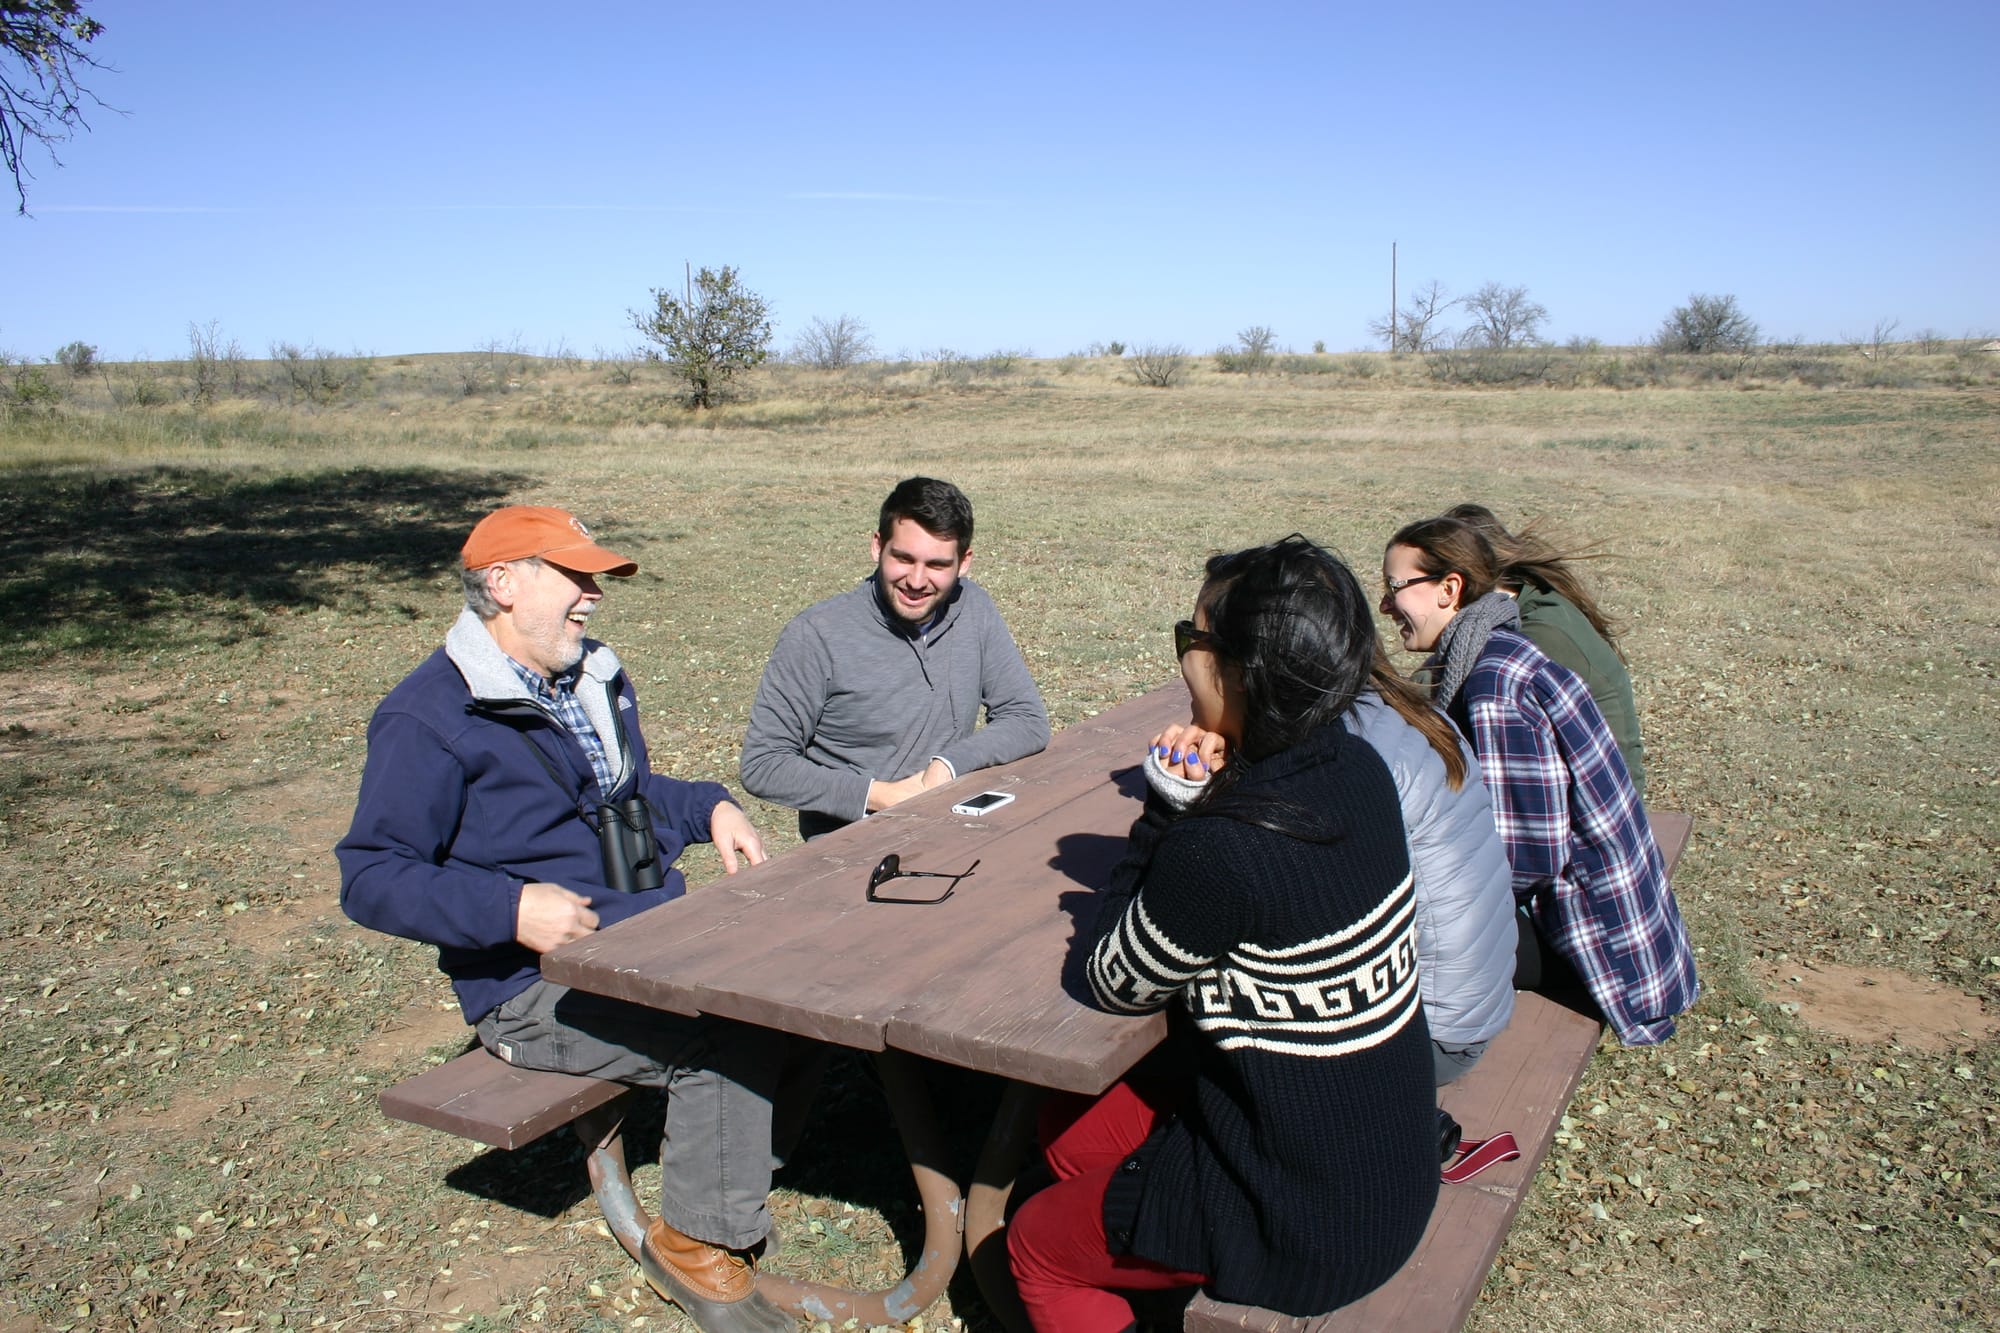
[(1305, 365), (1251, 354), (1707, 324), (141, 388), (311, 375), (78, 358), (1491, 365), (708, 334), (29, 391), (949, 367)]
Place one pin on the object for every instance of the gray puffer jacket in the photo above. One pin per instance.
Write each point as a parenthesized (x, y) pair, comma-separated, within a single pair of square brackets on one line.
[(1466, 935)]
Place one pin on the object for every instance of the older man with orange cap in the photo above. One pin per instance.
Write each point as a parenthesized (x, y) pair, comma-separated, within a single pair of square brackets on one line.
[(492, 769)]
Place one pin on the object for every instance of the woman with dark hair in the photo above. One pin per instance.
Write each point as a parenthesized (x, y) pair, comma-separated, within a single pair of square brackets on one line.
[(1281, 1149), (1586, 868), (1560, 617), (1467, 940)]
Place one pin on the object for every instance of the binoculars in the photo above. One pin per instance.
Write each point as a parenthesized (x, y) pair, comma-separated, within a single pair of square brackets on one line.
[(625, 839)]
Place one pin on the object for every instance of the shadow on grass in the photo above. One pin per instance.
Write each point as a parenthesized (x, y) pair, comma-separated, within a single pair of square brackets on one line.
[(167, 557)]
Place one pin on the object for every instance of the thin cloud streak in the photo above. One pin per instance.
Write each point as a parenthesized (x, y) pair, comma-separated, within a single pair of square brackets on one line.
[(132, 208), (875, 196), (379, 208)]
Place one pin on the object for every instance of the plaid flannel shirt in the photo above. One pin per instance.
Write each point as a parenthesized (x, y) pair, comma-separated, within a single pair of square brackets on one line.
[(560, 699), (1583, 854)]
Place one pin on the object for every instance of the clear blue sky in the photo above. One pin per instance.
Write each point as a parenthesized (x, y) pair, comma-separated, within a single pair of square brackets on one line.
[(412, 177)]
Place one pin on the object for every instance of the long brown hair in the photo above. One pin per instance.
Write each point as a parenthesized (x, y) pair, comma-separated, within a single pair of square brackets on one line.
[(1526, 557), (1410, 704), (1453, 546)]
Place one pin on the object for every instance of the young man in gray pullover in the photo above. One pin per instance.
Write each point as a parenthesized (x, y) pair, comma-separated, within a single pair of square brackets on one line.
[(872, 696)]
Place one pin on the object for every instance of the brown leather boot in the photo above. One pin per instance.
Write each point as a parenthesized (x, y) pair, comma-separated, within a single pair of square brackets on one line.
[(717, 1287)]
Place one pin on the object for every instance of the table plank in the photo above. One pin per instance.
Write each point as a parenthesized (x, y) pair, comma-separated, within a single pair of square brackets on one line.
[(1017, 1012)]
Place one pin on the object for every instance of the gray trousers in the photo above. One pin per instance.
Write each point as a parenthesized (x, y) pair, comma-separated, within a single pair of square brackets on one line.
[(722, 1081), (1448, 1062)]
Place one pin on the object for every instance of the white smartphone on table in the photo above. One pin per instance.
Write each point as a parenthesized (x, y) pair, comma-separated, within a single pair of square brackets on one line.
[(984, 802)]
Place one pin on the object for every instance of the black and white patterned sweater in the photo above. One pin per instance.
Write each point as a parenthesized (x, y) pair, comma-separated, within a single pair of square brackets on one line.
[(1301, 1169)]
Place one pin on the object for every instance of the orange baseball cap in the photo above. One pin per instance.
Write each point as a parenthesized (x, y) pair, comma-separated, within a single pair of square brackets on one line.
[(556, 535)]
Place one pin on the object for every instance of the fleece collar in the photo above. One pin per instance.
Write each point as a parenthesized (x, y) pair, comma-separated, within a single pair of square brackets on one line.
[(492, 682)]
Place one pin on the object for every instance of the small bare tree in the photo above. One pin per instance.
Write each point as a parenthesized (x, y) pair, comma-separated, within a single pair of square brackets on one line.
[(1879, 340), (833, 344), (1257, 342), (205, 362), (1158, 365), (309, 374), (1503, 317), (1419, 325)]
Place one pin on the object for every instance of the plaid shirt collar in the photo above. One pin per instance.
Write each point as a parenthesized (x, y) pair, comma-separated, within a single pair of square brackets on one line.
[(559, 698)]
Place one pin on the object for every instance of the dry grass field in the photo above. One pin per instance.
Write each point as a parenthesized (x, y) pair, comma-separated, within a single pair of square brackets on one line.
[(203, 606)]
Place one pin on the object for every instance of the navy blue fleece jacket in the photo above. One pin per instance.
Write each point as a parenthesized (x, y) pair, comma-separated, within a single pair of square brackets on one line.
[(471, 790)]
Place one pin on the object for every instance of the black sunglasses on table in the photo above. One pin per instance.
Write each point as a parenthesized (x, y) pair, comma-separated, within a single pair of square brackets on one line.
[(891, 867)]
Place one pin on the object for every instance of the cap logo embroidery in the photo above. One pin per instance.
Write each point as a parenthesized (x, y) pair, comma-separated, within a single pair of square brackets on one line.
[(577, 523)]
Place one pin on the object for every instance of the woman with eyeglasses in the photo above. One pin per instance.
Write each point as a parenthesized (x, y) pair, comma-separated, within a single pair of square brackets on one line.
[(1560, 617), (1281, 1149), (1599, 912)]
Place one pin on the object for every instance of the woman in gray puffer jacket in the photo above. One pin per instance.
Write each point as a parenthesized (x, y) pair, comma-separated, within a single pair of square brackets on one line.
[(1466, 933), (1466, 936)]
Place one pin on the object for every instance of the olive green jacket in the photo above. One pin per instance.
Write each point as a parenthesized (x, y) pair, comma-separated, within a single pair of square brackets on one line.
[(1553, 624)]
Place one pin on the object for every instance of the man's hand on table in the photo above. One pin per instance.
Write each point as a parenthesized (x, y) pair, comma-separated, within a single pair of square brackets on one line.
[(549, 915), (731, 832), (882, 795)]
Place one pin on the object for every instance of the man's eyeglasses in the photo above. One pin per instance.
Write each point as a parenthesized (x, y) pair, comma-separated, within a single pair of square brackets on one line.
[(891, 867), (1390, 587), (1186, 636)]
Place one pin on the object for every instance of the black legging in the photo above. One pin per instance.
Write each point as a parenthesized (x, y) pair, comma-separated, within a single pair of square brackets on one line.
[(1540, 968)]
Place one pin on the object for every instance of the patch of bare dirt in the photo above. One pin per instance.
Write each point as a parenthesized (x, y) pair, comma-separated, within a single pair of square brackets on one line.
[(485, 1284), (268, 930), (1878, 1005), (416, 1028), (114, 706)]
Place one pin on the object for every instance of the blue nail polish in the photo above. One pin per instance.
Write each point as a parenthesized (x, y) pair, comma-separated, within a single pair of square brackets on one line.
[(1175, 757)]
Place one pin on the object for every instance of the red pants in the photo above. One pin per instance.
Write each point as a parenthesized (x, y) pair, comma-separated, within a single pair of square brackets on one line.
[(1068, 1277)]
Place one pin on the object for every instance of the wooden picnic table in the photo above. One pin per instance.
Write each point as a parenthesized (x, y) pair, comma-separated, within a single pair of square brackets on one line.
[(977, 980)]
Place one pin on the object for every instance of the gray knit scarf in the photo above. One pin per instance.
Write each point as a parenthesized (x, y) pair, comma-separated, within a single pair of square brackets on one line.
[(1464, 639)]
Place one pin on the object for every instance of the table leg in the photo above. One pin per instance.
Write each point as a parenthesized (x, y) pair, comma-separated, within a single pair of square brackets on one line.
[(986, 1206), (944, 1218), (603, 1135)]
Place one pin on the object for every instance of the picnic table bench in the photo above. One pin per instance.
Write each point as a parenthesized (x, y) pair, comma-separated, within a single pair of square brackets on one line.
[(790, 944), (1522, 1085)]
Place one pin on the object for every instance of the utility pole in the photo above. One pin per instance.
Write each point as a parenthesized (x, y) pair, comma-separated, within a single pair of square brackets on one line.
[(1392, 296)]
